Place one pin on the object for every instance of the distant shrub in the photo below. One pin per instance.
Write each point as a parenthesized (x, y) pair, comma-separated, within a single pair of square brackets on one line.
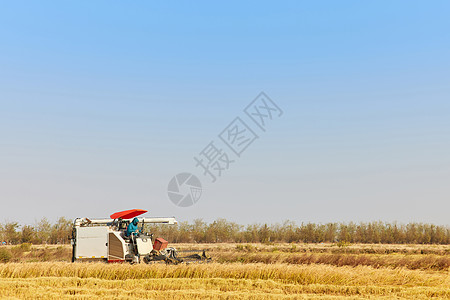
[(249, 248), (343, 244), (18, 250), (5, 255), (25, 247)]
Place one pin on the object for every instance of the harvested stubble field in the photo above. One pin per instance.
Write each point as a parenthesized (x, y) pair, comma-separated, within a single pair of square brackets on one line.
[(240, 271)]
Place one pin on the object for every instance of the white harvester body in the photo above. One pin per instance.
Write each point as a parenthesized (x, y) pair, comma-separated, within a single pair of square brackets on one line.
[(104, 239)]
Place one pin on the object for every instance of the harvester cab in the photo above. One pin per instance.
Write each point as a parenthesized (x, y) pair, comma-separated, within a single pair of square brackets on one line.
[(107, 240)]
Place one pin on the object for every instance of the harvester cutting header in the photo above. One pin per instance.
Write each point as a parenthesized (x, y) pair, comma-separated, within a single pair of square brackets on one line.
[(122, 238)]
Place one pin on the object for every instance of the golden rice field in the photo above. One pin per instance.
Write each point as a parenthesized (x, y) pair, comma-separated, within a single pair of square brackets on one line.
[(318, 271)]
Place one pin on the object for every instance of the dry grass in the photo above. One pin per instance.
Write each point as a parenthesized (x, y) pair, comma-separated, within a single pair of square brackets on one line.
[(224, 281), (38, 253), (409, 256), (423, 257), (413, 262), (324, 248), (249, 271)]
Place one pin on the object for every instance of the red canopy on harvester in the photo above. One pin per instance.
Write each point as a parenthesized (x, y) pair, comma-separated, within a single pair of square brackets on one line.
[(128, 214)]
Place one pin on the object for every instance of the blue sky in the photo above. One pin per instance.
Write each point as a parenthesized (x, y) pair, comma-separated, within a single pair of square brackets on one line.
[(102, 103)]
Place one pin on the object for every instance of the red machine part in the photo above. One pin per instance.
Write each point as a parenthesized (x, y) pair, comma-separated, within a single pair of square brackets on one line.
[(160, 244), (128, 214)]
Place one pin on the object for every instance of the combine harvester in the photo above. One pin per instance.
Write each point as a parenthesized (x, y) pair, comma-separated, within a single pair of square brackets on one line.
[(107, 240)]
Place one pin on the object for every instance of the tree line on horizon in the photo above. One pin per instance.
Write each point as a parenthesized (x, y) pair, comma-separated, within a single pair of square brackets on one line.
[(221, 231), (42, 232)]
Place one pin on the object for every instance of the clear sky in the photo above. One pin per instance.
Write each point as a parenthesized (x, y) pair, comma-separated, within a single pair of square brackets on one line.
[(103, 102)]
